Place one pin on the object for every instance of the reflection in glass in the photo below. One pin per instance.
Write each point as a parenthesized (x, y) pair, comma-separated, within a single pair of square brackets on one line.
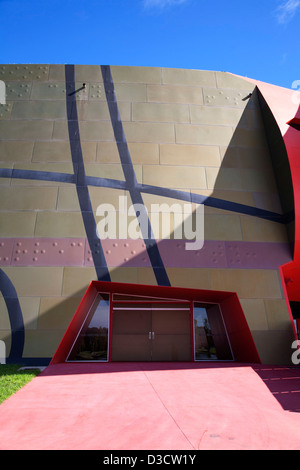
[(204, 344), (92, 341), (211, 341)]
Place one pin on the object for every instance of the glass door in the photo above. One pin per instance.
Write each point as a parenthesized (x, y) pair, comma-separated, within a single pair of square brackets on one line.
[(210, 338), (92, 341)]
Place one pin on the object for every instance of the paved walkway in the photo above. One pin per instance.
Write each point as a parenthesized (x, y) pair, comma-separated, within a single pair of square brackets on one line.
[(155, 406)]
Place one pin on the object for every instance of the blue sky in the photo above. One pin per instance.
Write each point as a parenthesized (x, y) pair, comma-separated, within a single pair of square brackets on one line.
[(257, 39)]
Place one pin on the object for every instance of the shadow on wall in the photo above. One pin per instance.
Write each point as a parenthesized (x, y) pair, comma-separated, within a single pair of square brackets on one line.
[(258, 154), (43, 336), (254, 174), (251, 198), (281, 166)]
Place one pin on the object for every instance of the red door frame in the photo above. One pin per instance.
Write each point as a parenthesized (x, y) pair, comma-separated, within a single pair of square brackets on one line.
[(192, 331), (110, 326), (241, 341)]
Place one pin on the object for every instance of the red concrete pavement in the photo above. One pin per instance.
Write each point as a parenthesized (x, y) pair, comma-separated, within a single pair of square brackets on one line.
[(154, 406)]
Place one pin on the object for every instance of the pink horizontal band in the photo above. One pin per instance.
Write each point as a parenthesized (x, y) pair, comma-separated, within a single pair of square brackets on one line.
[(132, 253)]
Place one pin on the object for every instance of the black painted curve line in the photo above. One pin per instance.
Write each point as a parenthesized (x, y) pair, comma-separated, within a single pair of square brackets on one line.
[(130, 178), (218, 203), (150, 189), (15, 317), (81, 184)]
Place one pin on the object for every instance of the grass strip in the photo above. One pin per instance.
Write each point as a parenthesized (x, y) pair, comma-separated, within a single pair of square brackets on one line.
[(12, 379)]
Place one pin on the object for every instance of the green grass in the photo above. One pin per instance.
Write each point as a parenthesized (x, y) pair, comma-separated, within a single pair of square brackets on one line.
[(12, 379)]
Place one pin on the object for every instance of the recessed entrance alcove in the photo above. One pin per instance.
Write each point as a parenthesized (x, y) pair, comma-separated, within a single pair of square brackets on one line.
[(132, 322)]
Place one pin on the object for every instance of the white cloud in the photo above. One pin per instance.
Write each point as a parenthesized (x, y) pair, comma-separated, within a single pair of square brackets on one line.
[(162, 3), (287, 10)]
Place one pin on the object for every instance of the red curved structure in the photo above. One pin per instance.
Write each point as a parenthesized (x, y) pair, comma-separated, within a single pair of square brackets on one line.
[(285, 106)]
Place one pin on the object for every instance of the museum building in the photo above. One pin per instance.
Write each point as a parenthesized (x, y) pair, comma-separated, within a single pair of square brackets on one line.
[(147, 214)]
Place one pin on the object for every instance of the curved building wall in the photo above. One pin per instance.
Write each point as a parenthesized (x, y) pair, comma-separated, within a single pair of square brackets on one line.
[(74, 138)]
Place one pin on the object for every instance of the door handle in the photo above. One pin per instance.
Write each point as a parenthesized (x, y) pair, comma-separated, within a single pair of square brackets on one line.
[(151, 335)]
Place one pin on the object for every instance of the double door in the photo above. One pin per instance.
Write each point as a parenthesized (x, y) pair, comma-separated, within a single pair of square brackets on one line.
[(151, 333)]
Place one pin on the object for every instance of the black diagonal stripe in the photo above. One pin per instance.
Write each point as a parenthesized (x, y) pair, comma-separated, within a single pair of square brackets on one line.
[(81, 185), (130, 177), (150, 189), (15, 317)]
